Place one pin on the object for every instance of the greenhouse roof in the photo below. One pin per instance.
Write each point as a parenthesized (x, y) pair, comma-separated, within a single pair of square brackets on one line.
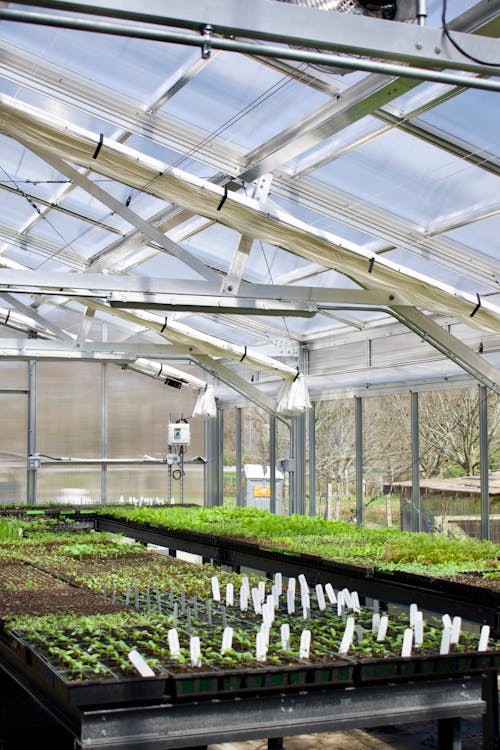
[(234, 194)]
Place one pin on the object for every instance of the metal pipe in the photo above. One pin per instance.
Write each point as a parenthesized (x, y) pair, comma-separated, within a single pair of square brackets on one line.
[(239, 467), (312, 460), (272, 464), (263, 50), (483, 459), (104, 432), (31, 436), (358, 427), (416, 506), (421, 12)]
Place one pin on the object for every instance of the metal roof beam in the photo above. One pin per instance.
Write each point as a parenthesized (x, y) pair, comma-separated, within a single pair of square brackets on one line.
[(295, 25), (40, 319)]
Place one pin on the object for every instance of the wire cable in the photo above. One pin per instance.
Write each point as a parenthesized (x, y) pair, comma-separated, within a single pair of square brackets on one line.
[(458, 47)]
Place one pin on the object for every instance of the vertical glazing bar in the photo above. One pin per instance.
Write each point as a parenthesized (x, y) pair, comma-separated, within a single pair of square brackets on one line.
[(272, 464), (483, 457), (312, 460), (299, 463), (104, 432), (239, 467), (358, 427), (416, 501), (31, 443), (220, 456)]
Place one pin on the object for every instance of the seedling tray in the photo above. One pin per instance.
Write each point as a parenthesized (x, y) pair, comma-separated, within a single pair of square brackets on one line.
[(85, 693), (260, 679), (424, 666)]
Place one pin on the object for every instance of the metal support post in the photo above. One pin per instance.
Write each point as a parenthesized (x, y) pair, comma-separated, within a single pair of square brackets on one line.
[(272, 463), (483, 462), (312, 460), (299, 464), (358, 427), (104, 432), (416, 503), (31, 443), (449, 734), (239, 466), (214, 467)]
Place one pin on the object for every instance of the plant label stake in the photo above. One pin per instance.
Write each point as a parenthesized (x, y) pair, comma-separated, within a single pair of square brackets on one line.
[(262, 591), (355, 602), (305, 599), (340, 604), (127, 595), (407, 642), (447, 623), (483, 638), (183, 601), (195, 651), (256, 601), (265, 629), (278, 583), (229, 595), (375, 623), (285, 636), (209, 612), (330, 593), (418, 630), (158, 600), (345, 644), (359, 632), (455, 629), (413, 613), (347, 598), (175, 614), (140, 664), (376, 605), (215, 589), (244, 593), (227, 640), (382, 628), (195, 607), (173, 642), (290, 601), (260, 647), (320, 595), (292, 583), (305, 644), (275, 593), (223, 615), (136, 597), (445, 641), (188, 619), (303, 581)]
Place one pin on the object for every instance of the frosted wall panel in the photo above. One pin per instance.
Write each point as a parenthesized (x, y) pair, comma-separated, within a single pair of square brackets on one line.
[(13, 448)]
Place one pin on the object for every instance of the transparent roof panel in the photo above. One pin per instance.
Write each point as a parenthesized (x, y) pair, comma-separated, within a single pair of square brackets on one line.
[(246, 114)]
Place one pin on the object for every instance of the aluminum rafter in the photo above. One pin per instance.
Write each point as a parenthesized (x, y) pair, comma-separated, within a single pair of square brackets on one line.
[(294, 25), (38, 246), (243, 214), (30, 313), (83, 92)]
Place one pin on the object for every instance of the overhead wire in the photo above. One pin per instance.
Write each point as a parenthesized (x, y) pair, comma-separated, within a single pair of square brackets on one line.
[(458, 47)]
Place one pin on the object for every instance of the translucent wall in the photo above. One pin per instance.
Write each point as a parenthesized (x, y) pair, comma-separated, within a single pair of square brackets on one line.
[(13, 441)]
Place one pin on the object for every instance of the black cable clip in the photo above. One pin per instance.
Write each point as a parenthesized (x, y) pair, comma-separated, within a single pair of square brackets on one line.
[(223, 199), (7, 318), (206, 50), (244, 355), (164, 326), (477, 306), (371, 264), (158, 374), (99, 146), (297, 375)]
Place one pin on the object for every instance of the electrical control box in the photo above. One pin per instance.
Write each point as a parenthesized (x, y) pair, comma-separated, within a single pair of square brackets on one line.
[(179, 433)]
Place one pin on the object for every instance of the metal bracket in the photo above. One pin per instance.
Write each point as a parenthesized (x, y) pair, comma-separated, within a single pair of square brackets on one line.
[(206, 50)]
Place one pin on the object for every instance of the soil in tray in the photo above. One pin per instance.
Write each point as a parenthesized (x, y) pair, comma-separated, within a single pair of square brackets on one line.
[(26, 590)]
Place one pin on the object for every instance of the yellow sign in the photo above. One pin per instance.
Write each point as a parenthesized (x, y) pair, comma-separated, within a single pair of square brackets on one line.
[(262, 491)]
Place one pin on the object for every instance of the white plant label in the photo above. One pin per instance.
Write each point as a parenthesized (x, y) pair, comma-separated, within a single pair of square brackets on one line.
[(355, 602), (260, 647), (268, 613), (290, 601), (257, 605), (330, 593), (413, 612), (345, 644), (244, 594), (382, 628), (292, 585), (346, 595), (266, 631), (455, 629), (305, 644), (140, 664), (262, 590), (306, 599), (407, 642), (285, 636), (173, 642), (418, 631), (229, 595), (275, 593), (215, 589), (195, 651), (447, 623), (445, 641), (278, 582), (303, 582), (375, 622), (340, 604), (320, 596), (227, 640), (484, 638)]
